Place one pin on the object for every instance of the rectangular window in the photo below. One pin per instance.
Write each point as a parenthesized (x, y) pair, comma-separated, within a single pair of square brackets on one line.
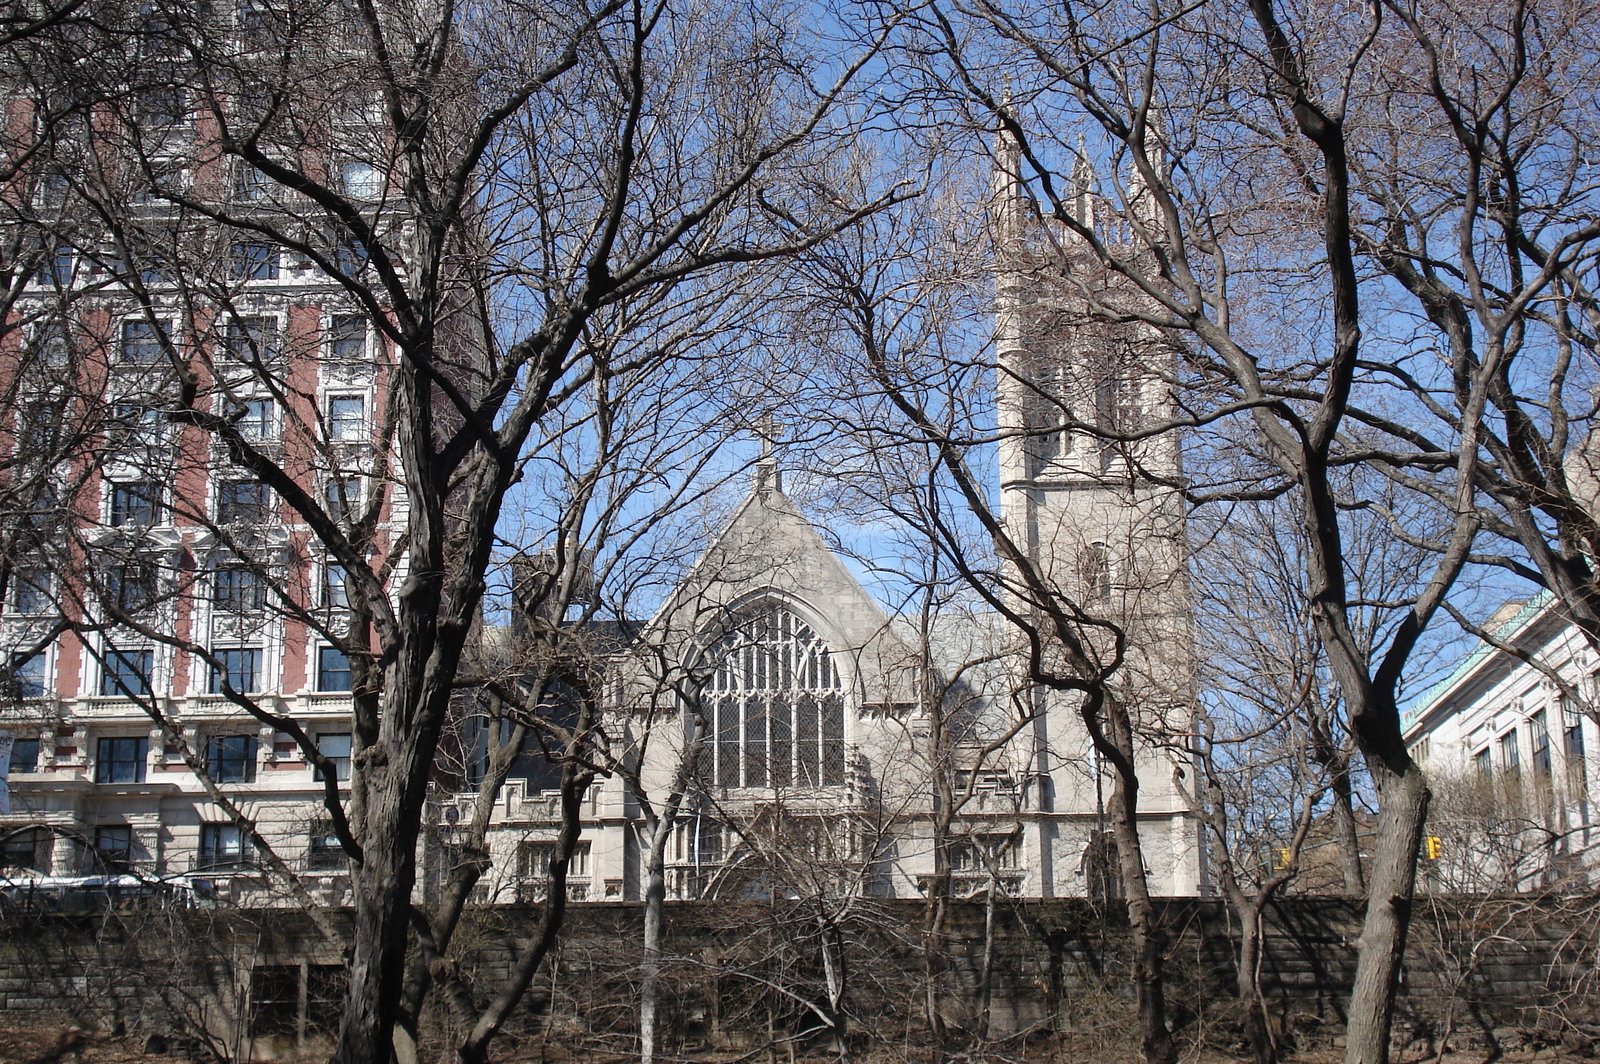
[(143, 342), (335, 746), (119, 759), (24, 756), (27, 848), (333, 669), (358, 180), (235, 589), (347, 417), (335, 590), (31, 591), (134, 504), (240, 667), (347, 340), (1577, 767), (323, 852), (55, 269), (249, 184), (254, 260), (28, 676), (275, 1000), (1510, 755), (253, 341), (534, 859), (231, 758), (1483, 764), (143, 426), (349, 253), (241, 502), (1539, 744), (113, 848), (341, 497), (132, 586), (127, 673), (258, 421), (224, 846)]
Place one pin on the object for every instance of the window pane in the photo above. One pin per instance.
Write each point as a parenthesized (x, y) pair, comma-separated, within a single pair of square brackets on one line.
[(238, 590), (258, 422), (113, 848), (335, 591), (134, 504), (241, 667), (348, 339), (141, 343), (120, 759), (231, 758), (31, 592), (347, 417), (28, 677), (254, 261), (241, 502), (126, 673), (25, 755), (335, 746), (252, 340)]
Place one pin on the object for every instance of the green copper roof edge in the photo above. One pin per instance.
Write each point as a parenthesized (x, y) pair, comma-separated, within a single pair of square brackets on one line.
[(1482, 651)]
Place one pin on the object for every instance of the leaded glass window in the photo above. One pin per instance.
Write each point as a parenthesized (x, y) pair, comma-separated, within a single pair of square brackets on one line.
[(775, 706)]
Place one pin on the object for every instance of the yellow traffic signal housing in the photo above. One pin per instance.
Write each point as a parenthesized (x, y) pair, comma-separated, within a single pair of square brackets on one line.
[(1433, 846)]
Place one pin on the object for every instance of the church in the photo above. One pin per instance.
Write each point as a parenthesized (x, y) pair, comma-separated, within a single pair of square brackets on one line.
[(771, 730), (802, 740)]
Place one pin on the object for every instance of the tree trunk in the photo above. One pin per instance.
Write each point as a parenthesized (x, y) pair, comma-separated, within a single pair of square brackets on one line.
[(655, 896), (1148, 933), (1257, 1024), (382, 901), (1403, 807)]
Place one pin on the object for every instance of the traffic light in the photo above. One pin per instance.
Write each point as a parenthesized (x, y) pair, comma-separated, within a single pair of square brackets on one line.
[(1283, 858), (1433, 846)]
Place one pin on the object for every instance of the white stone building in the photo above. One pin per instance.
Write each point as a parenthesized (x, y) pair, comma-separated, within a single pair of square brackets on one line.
[(1506, 742)]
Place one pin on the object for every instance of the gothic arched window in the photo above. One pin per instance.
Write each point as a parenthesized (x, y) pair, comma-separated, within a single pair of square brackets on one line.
[(774, 705)]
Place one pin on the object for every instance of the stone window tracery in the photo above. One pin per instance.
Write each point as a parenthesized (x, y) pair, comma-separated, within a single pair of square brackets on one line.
[(775, 705)]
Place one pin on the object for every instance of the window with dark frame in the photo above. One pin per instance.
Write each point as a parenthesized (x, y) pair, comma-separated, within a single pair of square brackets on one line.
[(231, 758), (347, 418), (120, 759), (237, 589), (336, 747), (253, 341), (32, 591), (347, 338), (258, 421), (254, 260), (135, 503), (240, 667), (27, 678), (113, 848), (24, 755), (242, 502), (25, 848), (224, 846), (324, 852), (1539, 744), (126, 674), (335, 588), (132, 586), (341, 496)]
